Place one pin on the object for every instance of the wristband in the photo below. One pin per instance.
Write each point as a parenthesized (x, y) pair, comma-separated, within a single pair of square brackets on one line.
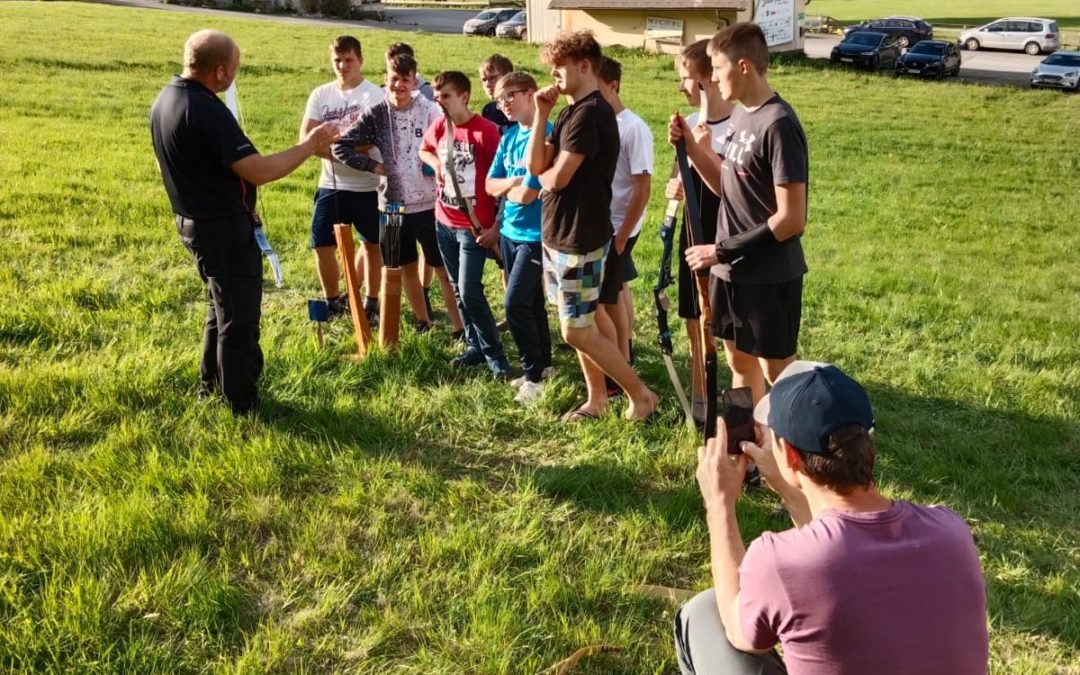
[(733, 249)]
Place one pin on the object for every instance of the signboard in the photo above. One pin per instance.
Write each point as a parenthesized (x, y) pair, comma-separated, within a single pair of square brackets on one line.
[(777, 20), (657, 28)]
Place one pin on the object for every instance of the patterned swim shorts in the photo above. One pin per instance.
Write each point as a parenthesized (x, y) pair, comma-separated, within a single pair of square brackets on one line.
[(572, 281)]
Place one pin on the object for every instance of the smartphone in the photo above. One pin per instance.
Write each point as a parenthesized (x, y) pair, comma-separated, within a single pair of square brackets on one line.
[(738, 414)]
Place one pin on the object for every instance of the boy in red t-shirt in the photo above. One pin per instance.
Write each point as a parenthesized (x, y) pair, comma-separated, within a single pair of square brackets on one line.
[(462, 206)]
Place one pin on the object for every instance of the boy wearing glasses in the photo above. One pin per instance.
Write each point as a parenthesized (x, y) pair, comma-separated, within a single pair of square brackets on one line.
[(520, 235), (493, 69)]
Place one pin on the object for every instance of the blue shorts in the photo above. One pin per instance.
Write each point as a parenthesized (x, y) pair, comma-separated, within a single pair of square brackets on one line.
[(361, 209)]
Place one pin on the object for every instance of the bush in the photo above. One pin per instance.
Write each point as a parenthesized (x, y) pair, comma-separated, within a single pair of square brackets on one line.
[(335, 8)]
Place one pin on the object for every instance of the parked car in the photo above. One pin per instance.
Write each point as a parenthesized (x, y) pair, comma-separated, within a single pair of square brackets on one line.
[(484, 23), (867, 49), (909, 30), (515, 27), (1033, 35), (1060, 70), (930, 58)]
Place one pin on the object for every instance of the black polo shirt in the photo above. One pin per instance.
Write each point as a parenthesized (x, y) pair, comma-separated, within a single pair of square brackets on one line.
[(196, 140)]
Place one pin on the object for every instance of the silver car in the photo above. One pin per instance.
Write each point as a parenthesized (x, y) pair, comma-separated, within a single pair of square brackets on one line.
[(1032, 35), (1060, 70)]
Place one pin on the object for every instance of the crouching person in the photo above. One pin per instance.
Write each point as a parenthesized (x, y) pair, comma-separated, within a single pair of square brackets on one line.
[(864, 584)]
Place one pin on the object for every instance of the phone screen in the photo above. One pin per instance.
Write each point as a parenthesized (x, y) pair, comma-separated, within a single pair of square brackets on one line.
[(738, 416)]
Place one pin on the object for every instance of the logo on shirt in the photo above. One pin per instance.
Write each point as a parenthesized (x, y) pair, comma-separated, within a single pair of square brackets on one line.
[(735, 149)]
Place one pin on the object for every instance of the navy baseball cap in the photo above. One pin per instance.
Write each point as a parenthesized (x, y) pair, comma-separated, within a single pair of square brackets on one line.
[(811, 400)]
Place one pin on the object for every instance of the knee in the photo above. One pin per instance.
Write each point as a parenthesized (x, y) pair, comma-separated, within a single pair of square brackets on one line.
[(740, 362), (576, 337)]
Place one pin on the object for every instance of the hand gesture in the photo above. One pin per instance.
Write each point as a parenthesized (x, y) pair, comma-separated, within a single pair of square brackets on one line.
[(320, 138), (701, 257), (720, 475), (488, 237), (546, 99), (678, 130), (702, 134), (762, 454)]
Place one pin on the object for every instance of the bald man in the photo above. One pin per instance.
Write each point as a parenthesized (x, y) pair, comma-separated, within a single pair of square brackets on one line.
[(211, 170)]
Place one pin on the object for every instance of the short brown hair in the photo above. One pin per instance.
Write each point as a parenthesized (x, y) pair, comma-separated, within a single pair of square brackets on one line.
[(576, 46), (497, 63), (695, 56), (396, 48), (401, 64), (519, 79), (742, 41), (346, 43), (453, 78), (610, 70), (849, 463)]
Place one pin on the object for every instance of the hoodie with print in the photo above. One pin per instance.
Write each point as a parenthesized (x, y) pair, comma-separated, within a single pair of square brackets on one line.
[(398, 134)]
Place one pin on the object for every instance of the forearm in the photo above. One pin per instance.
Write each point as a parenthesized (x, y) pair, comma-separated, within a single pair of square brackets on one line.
[(726, 554), (345, 149), (785, 225), (262, 169), (431, 159), (499, 187), (519, 194), (536, 148)]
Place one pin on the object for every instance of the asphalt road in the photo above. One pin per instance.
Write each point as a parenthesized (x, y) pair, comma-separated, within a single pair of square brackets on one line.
[(995, 67), (981, 66)]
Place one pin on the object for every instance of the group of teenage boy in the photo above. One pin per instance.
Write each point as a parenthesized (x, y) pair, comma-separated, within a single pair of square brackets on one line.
[(862, 584)]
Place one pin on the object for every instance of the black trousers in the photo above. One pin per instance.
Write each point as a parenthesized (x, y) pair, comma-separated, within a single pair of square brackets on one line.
[(230, 264)]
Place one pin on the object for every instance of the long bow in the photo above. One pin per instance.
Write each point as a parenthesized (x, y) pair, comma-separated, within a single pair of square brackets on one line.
[(463, 204), (708, 342), (232, 102), (662, 304)]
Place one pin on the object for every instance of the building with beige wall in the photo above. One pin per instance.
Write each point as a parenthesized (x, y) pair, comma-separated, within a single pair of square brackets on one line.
[(666, 25)]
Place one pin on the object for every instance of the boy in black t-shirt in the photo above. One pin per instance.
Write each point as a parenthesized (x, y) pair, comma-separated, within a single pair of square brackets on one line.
[(492, 70), (761, 175), (575, 166)]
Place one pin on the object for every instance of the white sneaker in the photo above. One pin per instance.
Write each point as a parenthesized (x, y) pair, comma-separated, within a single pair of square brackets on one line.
[(544, 374), (529, 391)]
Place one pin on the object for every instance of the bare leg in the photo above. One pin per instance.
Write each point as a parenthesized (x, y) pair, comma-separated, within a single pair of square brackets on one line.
[(773, 367), (603, 352), (745, 370), (627, 298), (326, 265), (594, 383), (410, 280), (617, 314), (448, 299)]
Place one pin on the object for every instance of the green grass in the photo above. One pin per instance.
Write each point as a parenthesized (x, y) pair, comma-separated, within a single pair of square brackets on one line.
[(402, 517), (965, 12)]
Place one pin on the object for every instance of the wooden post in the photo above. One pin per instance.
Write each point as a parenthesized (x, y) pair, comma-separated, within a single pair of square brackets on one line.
[(347, 253), (390, 308)]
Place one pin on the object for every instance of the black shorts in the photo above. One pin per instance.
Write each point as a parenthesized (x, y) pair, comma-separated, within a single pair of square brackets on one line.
[(416, 228), (761, 319), (361, 209), (617, 267)]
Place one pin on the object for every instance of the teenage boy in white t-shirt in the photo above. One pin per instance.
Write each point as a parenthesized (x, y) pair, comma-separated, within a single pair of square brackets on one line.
[(345, 195), (630, 191)]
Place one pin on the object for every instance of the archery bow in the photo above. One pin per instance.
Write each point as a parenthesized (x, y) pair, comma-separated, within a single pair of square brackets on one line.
[(662, 304), (708, 342), (463, 204)]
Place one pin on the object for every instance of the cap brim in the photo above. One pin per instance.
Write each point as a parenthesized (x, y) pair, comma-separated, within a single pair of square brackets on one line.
[(761, 410)]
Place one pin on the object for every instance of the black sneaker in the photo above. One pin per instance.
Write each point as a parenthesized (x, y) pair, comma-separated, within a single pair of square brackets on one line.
[(468, 358), (372, 317), (423, 327), (337, 307)]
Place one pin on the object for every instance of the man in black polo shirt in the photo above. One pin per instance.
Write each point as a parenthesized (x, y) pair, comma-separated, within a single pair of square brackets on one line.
[(210, 170)]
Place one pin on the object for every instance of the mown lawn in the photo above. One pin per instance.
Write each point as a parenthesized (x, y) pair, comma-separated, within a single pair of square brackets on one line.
[(402, 517)]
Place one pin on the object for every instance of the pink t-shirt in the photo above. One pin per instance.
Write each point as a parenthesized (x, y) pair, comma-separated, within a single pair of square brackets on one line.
[(475, 144), (895, 592)]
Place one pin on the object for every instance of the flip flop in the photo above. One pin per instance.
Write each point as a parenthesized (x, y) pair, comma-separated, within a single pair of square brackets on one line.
[(579, 415)]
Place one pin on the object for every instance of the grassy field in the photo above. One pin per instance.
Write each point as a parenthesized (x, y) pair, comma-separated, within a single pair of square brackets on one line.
[(965, 12), (404, 518)]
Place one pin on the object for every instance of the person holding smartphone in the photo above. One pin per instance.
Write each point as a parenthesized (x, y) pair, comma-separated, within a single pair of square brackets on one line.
[(862, 584)]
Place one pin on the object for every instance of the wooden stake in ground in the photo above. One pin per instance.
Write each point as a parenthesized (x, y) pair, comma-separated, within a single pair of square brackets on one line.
[(347, 252)]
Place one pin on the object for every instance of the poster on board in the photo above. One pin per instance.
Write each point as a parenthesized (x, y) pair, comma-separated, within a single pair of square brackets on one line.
[(777, 20)]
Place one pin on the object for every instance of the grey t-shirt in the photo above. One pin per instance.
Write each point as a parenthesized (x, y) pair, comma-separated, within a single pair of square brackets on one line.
[(763, 148)]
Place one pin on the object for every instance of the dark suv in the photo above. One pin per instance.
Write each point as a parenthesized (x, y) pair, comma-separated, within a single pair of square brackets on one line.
[(907, 29)]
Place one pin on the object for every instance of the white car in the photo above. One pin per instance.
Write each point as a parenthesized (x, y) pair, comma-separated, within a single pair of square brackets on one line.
[(1060, 70), (1030, 34)]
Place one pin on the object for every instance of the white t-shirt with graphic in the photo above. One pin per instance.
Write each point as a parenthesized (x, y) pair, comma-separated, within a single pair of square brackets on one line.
[(329, 103), (635, 159)]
